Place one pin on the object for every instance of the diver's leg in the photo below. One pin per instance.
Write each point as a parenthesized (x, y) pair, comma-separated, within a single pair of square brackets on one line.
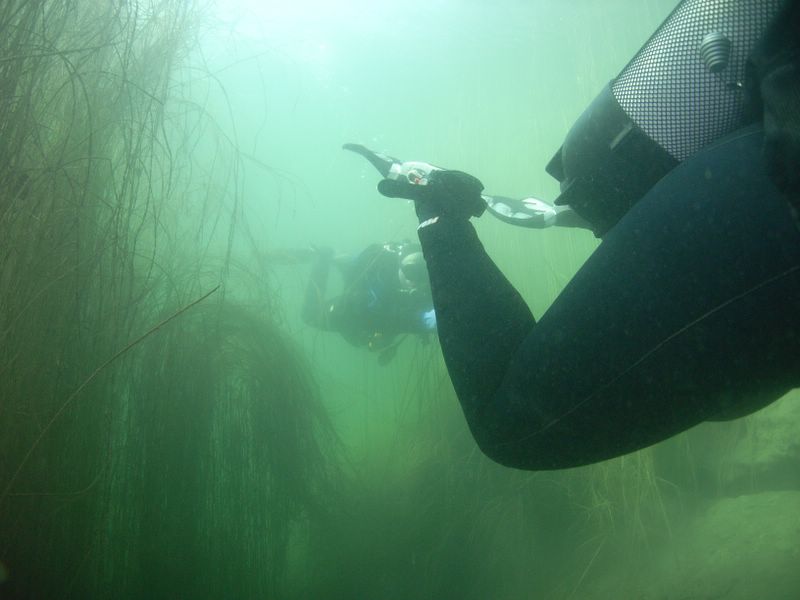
[(689, 308), (480, 317)]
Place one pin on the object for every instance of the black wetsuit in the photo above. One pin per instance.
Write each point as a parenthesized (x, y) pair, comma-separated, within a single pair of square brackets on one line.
[(688, 310)]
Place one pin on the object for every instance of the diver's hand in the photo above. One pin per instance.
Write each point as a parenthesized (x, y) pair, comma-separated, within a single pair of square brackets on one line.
[(434, 190)]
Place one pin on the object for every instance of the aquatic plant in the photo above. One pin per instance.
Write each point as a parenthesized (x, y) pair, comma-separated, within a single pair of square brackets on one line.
[(139, 429)]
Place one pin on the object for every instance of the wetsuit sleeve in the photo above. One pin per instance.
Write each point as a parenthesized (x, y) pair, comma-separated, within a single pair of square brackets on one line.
[(480, 317)]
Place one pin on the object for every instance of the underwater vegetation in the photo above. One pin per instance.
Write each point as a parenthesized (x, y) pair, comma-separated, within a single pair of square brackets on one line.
[(158, 439)]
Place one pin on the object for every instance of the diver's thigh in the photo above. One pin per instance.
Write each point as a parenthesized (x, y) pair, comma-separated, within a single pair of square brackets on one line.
[(689, 307)]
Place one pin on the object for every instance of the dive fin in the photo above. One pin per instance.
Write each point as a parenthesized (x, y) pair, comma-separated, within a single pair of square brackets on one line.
[(380, 161), (528, 212)]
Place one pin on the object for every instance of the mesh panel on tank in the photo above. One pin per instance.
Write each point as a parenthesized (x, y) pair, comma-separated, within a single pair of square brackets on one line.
[(668, 90)]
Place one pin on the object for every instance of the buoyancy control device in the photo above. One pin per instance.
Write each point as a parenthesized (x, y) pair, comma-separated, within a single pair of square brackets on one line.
[(683, 90)]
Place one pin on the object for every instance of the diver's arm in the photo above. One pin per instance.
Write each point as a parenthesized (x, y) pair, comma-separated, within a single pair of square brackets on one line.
[(480, 317)]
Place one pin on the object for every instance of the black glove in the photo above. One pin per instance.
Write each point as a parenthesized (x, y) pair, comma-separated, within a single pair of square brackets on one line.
[(435, 191)]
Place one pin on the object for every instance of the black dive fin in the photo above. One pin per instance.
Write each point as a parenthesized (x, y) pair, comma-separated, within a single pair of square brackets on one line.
[(527, 212), (380, 161)]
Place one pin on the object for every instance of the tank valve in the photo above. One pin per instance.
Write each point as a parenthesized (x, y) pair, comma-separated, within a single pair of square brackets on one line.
[(716, 51)]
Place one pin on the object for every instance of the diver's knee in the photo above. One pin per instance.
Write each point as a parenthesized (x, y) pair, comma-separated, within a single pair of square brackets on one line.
[(514, 455), (517, 448)]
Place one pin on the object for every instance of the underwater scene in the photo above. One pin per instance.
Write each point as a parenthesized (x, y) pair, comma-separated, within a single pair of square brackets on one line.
[(246, 353)]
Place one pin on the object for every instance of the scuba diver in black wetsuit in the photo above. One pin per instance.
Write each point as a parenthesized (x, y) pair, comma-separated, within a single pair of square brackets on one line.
[(386, 296), (689, 309)]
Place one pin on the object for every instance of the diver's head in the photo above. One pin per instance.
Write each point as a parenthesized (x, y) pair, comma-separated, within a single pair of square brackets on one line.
[(413, 272)]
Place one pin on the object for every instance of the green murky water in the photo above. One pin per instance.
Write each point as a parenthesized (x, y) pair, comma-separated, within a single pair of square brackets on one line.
[(169, 428)]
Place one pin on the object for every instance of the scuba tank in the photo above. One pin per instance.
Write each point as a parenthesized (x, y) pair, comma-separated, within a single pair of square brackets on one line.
[(683, 90)]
